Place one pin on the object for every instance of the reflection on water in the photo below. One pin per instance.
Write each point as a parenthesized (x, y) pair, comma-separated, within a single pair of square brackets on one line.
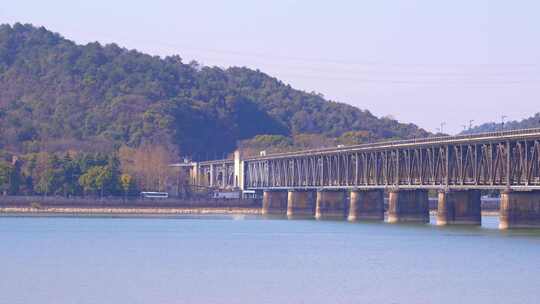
[(250, 260)]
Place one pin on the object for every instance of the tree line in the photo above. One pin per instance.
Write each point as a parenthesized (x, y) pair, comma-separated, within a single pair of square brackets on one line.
[(125, 172)]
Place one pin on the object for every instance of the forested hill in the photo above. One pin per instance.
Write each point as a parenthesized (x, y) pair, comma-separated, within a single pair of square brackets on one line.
[(527, 123), (57, 95)]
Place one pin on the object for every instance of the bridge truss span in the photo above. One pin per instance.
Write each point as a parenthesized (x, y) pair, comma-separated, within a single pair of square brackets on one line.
[(502, 160), (216, 174)]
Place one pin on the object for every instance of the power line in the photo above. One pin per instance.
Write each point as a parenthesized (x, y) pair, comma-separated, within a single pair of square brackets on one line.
[(521, 65), (398, 81), (347, 62), (348, 72)]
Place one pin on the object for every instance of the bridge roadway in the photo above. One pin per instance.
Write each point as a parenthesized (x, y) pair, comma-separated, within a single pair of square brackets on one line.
[(330, 181)]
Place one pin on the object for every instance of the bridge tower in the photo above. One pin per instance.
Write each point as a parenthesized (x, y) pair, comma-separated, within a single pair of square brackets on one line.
[(238, 170)]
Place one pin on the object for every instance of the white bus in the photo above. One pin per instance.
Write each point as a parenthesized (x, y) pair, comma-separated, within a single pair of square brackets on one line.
[(147, 194), (249, 194), (226, 194)]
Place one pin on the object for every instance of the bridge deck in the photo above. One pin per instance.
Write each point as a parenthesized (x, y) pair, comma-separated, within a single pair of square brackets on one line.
[(495, 160)]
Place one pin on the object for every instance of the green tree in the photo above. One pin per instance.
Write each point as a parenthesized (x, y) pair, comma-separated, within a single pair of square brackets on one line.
[(16, 178), (50, 177), (96, 179), (104, 179), (71, 171), (49, 183), (114, 186), (126, 182), (5, 177), (89, 180)]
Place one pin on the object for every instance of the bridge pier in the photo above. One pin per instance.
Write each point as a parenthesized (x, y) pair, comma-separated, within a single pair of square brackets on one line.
[(366, 205), (300, 204), (408, 206), (519, 209), (459, 208), (274, 202), (330, 205)]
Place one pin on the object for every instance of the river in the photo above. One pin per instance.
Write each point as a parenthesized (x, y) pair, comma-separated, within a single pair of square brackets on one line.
[(238, 259)]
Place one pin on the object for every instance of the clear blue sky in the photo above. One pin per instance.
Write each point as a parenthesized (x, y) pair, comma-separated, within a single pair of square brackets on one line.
[(419, 61)]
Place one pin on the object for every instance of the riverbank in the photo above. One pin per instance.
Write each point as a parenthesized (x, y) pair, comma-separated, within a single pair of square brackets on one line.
[(147, 211), (128, 211)]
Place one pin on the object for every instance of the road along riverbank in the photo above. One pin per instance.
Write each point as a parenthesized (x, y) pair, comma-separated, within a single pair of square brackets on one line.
[(87, 206), (114, 206)]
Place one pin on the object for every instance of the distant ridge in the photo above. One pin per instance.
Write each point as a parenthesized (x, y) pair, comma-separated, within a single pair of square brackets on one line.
[(527, 123)]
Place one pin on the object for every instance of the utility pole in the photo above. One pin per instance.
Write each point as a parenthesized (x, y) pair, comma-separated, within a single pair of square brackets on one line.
[(470, 124), (503, 117), (442, 126)]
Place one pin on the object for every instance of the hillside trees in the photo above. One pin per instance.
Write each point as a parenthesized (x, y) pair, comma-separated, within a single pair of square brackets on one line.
[(527, 123), (57, 96)]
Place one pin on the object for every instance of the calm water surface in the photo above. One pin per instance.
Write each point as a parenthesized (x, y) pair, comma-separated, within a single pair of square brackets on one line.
[(250, 260)]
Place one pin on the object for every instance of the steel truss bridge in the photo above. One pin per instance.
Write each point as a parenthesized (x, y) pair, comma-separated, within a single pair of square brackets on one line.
[(497, 160)]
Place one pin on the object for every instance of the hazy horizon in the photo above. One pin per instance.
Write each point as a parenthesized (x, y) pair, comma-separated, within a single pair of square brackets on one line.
[(421, 62)]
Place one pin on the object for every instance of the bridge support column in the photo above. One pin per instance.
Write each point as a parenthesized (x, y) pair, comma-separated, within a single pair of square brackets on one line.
[(274, 203), (330, 205), (366, 205), (408, 206), (459, 208), (300, 204), (519, 209)]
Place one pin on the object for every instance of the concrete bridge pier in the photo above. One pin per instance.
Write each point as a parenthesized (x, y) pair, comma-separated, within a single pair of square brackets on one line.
[(300, 204), (459, 208), (274, 202), (366, 205), (408, 206), (519, 209), (330, 205)]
